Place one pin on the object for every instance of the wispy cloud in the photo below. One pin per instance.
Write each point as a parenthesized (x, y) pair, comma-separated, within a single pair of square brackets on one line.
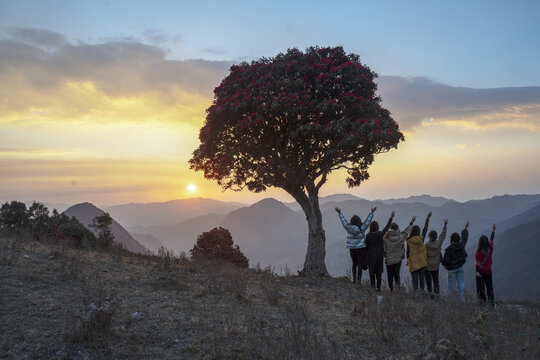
[(44, 75), (417, 101)]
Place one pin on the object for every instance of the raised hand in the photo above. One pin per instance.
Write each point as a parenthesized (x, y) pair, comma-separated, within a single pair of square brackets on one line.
[(466, 224), (494, 227), (373, 209), (338, 210), (393, 213), (445, 222), (429, 214), (413, 219)]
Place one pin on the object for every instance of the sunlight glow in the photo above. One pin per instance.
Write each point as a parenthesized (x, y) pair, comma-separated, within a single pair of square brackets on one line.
[(191, 188)]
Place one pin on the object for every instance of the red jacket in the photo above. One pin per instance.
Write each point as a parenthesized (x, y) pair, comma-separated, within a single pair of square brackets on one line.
[(483, 259)]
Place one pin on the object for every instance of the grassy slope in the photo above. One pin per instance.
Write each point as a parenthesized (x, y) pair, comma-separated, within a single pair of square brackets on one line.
[(206, 311)]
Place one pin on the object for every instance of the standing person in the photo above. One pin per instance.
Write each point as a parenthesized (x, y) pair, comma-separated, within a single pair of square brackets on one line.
[(454, 258), (483, 261), (433, 248), (417, 255), (375, 251), (356, 241), (394, 252)]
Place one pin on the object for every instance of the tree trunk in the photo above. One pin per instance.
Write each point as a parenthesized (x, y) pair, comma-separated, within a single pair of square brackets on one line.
[(316, 251)]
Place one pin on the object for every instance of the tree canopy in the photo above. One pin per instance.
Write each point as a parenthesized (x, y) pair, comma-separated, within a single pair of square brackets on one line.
[(296, 117)]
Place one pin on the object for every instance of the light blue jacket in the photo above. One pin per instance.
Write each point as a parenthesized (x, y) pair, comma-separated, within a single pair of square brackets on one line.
[(355, 235)]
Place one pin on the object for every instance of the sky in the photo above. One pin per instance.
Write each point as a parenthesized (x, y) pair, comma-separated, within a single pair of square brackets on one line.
[(102, 101)]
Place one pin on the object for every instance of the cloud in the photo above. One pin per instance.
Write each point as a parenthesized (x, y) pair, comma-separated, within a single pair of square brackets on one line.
[(37, 37), (46, 78), (417, 101), (81, 80)]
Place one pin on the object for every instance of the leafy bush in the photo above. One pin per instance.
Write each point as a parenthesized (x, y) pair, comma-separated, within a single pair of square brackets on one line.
[(217, 244), (77, 235)]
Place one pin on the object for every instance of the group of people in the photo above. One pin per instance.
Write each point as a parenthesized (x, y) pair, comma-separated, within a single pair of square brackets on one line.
[(370, 250)]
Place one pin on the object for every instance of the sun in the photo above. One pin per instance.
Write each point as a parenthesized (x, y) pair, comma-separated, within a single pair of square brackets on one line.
[(191, 188)]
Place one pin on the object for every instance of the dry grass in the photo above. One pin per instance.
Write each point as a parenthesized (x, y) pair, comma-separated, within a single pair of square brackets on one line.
[(71, 303)]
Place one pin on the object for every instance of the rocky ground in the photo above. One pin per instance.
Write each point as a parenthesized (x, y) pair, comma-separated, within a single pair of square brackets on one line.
[(64, 303)]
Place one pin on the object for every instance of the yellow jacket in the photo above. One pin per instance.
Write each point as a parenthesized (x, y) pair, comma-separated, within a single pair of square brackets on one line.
[(417, 253)]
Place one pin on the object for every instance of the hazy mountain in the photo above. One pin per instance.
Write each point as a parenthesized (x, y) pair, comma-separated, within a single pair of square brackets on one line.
[(86, 212), (434, 201), (148, 241), (271, 233), (523, 218), (170, 212), (515, 257), (325, 199), (183, 235)]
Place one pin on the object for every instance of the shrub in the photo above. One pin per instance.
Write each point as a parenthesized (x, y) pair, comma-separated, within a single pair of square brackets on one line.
[(77, 235), (217, 244)]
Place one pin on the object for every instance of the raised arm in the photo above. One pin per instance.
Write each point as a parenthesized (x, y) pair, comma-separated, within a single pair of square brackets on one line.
[(351, 229), (366, 223), (492, 236), (389, 222), (407, 230), (443, 232), (465, 235), (426, 224)]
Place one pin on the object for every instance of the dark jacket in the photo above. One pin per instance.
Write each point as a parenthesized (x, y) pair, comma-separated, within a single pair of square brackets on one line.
[(375, 249), (455, 255)]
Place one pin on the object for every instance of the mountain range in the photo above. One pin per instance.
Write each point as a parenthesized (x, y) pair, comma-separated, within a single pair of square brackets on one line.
[(273, 233)]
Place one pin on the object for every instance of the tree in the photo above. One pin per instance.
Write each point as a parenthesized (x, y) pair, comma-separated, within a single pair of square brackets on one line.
[(291, 120), (75, 234), (14, 218), (217, 244), (39, 219), (102, 225)]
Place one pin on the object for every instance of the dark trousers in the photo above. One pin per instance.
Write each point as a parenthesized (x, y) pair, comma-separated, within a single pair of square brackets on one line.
[(372, 277), (358, 258), (419, 276), (393, 275), (432, 276), (484, 283)]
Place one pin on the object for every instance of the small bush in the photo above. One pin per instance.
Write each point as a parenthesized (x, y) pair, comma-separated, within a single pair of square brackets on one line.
[(99, 302), (217, 244)]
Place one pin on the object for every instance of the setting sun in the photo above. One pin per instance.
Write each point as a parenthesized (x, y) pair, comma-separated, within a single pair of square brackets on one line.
[(191, 188)]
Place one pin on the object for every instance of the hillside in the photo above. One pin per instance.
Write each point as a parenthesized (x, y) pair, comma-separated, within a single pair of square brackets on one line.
[(77, 304), (86, 212), (148, 241), (514, 251)]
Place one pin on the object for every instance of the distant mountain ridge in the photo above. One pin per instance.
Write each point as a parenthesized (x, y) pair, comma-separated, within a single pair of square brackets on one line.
[(86, 212), (434, 201), (169, 212)]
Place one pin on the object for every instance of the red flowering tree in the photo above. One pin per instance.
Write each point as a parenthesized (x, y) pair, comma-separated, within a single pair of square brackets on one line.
[(288, 122), (217, 244)]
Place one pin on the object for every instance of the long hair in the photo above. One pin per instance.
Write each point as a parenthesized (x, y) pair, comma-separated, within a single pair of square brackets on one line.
[(415, 231), (355, 220), (374, 226), (454, 238), (483, 243), (432, 235)]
